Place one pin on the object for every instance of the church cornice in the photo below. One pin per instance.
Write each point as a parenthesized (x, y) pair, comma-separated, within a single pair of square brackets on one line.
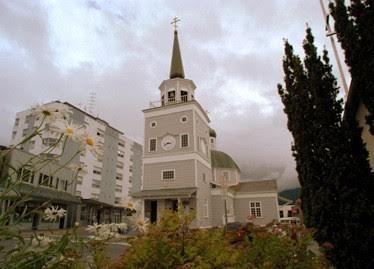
[(168, 107)]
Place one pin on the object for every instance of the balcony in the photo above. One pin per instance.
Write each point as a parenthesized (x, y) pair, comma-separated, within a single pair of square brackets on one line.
[(170, 101)]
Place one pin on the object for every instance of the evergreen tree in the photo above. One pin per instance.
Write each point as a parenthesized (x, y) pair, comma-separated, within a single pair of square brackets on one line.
[(299, 109), (354, 26), (335, 179)]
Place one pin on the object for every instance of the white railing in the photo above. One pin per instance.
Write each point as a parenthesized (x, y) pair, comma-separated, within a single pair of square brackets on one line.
[(184, 98), (169, 101)]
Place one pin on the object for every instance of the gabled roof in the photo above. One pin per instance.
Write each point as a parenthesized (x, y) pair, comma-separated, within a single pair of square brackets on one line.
[(223, 160), (256, 186)]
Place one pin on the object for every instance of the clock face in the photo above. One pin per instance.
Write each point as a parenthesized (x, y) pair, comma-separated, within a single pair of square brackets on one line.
[(168, 142)]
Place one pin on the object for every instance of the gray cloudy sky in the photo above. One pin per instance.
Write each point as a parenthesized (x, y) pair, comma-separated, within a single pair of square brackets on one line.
[(121, 51)]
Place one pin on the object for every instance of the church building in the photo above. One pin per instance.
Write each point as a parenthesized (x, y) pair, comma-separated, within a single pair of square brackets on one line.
[(181, 165)]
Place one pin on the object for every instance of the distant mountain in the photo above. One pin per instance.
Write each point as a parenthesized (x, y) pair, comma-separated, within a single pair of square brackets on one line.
[(291, 194)]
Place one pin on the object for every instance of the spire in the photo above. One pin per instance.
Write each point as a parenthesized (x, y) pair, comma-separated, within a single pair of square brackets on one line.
[(176, 68)]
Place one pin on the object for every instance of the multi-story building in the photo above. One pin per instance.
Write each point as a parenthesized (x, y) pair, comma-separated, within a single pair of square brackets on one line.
[(108, 177), (39, 181), (182, 167)]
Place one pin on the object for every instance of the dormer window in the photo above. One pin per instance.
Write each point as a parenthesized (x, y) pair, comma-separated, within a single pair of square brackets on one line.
[(171, 97), (184, 96)]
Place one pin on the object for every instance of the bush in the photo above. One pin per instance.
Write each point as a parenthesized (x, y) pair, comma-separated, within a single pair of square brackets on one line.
[(173, 244)]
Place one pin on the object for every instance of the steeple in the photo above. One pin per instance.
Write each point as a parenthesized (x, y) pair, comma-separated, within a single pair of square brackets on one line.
[(176, 68)]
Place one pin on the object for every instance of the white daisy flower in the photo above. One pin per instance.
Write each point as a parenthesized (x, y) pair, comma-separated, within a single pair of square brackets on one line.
[(93, 228), (53, 213), (130, 204), (41, 241), (90, 143), (142, 224), (68, 129), (77, 169), (52, 112)]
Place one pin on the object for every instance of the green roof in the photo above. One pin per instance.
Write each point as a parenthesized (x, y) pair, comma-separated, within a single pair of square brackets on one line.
[(223, 160)]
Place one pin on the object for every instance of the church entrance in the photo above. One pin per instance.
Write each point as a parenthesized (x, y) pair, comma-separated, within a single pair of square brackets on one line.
[(153, 211)]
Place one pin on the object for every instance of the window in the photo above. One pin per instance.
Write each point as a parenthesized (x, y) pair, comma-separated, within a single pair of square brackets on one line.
[(117, 200), (118, 188), (26, 175), (100, 133), (97, 171), (168, 174), (255, 209), (24, 132), (281, 214), (50, 141), (130, 169), (16, 122), (14, 134), (184, 140), (206, 208), (153, 124), (184, 119), (225, 175), (28, 118), (184, 96), (95, 195), (152, 144), (171, 96), (45, 180), (212, 140), (78, 193), (56, 183), (121, 143), (119, 176), (289, 213), (95, 184), (121, 153), (120, 165), (204, 177)]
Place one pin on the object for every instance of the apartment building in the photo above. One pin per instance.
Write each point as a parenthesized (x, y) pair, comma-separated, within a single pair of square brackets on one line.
[(107, 178)]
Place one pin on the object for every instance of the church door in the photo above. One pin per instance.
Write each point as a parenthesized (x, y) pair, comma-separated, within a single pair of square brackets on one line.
[(153, 211)]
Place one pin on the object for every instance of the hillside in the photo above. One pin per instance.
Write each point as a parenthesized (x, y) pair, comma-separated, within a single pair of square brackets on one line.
[(291, 194)]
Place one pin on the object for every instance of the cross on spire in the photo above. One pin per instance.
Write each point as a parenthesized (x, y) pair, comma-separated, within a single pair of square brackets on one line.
[(175, 20)]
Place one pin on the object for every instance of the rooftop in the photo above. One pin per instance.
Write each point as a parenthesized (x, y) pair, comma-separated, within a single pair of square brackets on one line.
[(223, 160)]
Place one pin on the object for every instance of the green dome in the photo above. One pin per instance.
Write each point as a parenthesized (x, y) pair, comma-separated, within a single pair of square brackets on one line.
[(223, 160)]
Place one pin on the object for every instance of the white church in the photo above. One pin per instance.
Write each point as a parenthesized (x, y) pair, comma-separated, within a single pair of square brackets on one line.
[(181, 164)]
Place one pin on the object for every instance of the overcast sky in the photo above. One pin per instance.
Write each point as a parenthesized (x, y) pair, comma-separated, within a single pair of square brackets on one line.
[(121, 51)]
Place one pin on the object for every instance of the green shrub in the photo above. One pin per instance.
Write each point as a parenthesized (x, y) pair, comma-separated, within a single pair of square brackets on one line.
[(173, 244)]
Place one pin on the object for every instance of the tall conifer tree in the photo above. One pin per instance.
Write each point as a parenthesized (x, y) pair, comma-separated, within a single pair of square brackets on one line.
[(354, 26), (332, 175)]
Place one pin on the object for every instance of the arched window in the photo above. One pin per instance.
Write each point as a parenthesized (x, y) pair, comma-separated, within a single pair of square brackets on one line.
[(184, 96), (171, 97)]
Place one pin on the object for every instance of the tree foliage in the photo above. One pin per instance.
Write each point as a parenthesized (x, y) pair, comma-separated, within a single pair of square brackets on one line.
[(354, 27), (331, 160)]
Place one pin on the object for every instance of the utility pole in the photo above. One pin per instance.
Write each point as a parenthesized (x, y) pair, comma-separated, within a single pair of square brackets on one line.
[(224, 195), (330, 33)]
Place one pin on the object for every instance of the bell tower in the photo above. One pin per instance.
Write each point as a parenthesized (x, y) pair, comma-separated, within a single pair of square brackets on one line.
[(176, 89), (176, 159)]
